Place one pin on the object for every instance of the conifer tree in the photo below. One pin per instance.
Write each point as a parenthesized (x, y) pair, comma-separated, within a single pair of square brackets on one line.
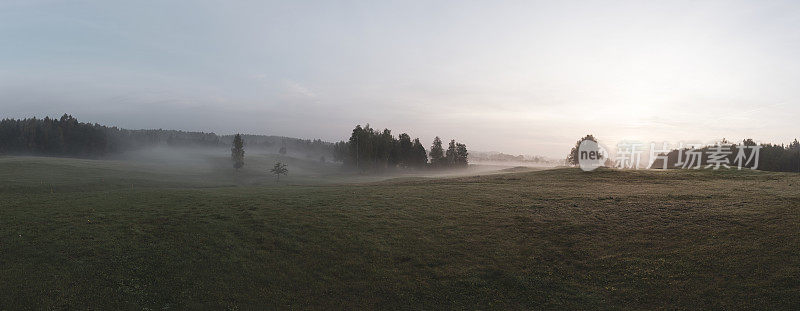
[(437, 153), (461, 155), (418, 154), (450, 154), (405, 150)]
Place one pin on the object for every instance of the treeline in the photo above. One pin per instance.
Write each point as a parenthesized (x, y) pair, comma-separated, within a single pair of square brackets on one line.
[(373, 150), (67, 136), (771, 157)]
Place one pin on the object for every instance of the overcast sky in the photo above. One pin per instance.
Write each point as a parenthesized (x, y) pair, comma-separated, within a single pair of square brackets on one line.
[(520, 77)]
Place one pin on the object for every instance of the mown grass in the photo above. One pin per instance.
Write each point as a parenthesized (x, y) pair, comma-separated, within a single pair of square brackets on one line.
[(548, 239)]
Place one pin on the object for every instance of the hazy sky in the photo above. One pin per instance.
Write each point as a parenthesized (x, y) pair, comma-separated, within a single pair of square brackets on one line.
[(520, 77)]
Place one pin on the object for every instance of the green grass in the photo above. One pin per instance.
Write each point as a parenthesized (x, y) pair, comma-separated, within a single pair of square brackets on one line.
[(78, 234)]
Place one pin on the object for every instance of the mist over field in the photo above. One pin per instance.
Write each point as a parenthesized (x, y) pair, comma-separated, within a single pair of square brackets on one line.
[(213, 165)]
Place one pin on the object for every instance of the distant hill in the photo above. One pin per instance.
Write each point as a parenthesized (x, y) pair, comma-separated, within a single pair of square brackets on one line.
[(67, 136)]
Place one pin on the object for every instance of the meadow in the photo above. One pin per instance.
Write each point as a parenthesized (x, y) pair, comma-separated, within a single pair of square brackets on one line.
[(119, 234)]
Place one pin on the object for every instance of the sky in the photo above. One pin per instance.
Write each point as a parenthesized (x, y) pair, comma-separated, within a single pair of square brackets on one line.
[(521, 77)]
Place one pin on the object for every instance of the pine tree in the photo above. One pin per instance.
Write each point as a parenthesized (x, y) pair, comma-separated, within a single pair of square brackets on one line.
[(461, 155), (237, 152), (404, 150), (419, 157), (450, 154), (357, 147), (437, 153)]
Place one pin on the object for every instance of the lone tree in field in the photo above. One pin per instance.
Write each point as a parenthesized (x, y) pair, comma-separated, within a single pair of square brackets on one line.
[(437, 153), (237, 152), (573, 157), (279, 169)]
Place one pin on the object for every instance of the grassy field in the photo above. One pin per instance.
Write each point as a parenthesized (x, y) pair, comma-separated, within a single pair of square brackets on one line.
[(77, 234)]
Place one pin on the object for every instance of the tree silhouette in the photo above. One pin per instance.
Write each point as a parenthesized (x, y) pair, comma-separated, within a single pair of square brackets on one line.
[(573, 156), (405, 150), (450, 154), (419, 157), (461, 155), (278, 170), (237, 152), (437, 153)]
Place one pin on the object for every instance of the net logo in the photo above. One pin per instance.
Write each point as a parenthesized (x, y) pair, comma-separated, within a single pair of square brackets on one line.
[(591, 155)]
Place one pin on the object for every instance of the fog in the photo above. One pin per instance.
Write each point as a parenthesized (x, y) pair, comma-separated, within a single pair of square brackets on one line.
[(212, 166)]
